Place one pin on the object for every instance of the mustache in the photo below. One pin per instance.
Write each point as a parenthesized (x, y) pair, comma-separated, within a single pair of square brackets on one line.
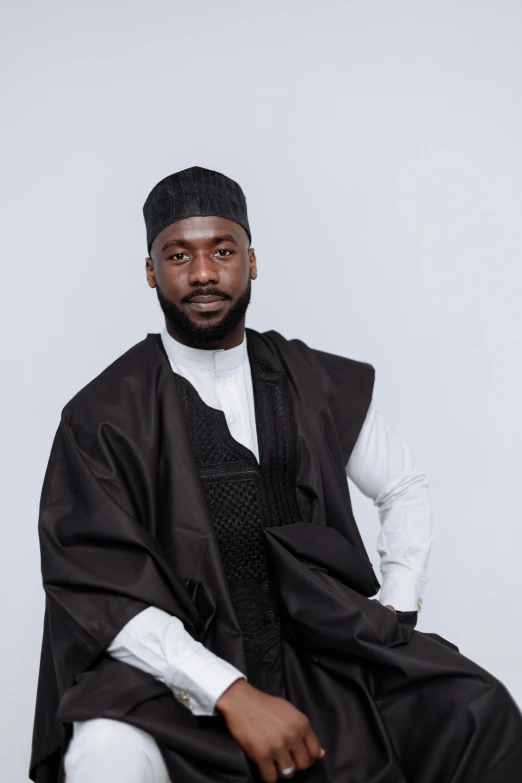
[(205, 292)]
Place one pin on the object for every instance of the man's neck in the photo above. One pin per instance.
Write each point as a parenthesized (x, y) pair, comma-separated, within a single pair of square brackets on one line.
[(183, 355), (232, 340)]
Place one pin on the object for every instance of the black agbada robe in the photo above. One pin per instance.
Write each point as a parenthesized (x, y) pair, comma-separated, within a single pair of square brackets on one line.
[(148, 500)]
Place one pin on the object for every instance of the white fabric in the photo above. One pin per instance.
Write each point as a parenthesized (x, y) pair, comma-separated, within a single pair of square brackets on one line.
[(158, 643), (223, 381), (380, 465), (108, 751)]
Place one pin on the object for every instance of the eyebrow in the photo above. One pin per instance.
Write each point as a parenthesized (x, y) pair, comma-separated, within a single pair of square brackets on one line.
[(213, 241)]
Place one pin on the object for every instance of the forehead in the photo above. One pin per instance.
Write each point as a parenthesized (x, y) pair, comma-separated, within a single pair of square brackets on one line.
[(199, 230)]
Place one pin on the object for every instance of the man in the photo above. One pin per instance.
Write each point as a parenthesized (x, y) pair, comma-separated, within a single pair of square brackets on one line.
[(208, 593)]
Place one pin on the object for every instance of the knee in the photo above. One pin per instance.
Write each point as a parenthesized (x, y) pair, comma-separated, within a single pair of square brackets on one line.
[(102, 737), (494, 705), (108, 750)]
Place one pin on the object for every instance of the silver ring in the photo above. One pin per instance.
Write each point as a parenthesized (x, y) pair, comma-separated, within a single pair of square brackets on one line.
[(287, 770)]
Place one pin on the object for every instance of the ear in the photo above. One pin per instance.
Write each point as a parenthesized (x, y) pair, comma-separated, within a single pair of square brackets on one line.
[(253, 263), (149, 267)]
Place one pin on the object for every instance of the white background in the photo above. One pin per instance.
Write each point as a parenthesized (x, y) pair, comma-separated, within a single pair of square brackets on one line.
[(379, 147)]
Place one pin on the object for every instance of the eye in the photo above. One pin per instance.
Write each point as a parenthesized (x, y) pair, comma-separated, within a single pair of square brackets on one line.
[(177, 257), (222, 250)]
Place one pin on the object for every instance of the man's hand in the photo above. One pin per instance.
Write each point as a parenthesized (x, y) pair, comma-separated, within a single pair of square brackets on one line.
[(271, 731)]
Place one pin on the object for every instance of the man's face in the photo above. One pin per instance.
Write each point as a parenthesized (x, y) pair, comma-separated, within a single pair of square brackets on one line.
[(201, 268)]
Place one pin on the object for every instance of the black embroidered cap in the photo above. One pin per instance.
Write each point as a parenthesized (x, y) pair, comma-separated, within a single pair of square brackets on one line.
[(193, 191)]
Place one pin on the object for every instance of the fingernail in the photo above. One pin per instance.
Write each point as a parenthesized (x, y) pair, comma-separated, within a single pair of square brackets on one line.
[(322, 753)]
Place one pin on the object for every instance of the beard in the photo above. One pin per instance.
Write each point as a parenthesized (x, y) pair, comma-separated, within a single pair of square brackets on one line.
[(201, 334)]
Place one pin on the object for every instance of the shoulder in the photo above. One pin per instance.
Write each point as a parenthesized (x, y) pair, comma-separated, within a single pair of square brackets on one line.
[(345, 384), (329, 365), (119, 386)]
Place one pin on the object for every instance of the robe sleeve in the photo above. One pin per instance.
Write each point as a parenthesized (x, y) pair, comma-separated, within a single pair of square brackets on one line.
[(100, 565), (349, 388), (348, 385)]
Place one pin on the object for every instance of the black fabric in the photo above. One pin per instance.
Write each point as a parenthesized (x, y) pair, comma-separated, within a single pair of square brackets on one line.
[(191, 192), (233, 485), (126, 522), (244, 496)]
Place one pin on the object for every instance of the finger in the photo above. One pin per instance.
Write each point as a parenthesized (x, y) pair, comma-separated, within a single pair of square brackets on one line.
[(268, 770), (391, 608), (299, 751), (313, 745), (283, 760)]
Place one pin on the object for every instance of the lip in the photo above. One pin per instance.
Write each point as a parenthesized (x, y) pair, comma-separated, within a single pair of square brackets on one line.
[(206, 304)]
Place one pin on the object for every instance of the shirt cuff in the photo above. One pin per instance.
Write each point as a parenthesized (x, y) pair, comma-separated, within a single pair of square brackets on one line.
[(207, 677), (401, 592)]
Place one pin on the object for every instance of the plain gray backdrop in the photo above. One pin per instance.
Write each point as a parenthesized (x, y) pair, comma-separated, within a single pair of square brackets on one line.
[(379, 147)]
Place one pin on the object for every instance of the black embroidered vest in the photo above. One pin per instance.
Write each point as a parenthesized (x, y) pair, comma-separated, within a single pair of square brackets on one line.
[(245, 495)]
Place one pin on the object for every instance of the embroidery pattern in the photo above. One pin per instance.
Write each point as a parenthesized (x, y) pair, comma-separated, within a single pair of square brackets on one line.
[(244, 496)]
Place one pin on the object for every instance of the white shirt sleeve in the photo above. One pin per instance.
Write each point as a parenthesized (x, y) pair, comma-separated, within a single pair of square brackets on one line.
[(381, 466), (156, 642)]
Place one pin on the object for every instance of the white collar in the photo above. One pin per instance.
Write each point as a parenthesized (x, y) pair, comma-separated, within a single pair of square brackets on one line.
[(203, 359)]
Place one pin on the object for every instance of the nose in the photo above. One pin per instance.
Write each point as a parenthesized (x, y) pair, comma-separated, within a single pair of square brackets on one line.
[(203, 270)]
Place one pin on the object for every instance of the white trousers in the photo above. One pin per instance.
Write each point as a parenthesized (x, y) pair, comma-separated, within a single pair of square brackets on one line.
[(108, 751)]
